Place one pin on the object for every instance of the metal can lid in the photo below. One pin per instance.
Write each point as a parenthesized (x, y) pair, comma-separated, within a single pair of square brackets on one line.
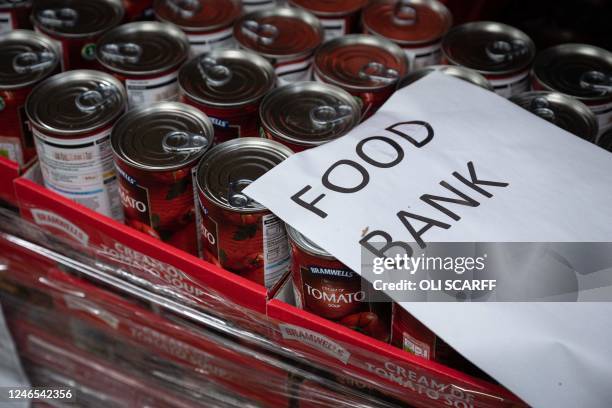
[(330, 8), (580, 70), (9, 4), (226, 169), (456, 71), (566, 112), (489, 47), (77, 18), (407, 21), (198, 15), (279, 32), (360, 62), (227, 78), (76, 102), (307, 245), (309, 113), (164, 136), (26, 57), (605, 140), (142, 48)]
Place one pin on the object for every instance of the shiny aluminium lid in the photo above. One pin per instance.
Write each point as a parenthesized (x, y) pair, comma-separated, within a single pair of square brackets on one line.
[(163, 136), (142, 48), (307, 245), (309, 113), (8, 4), (26, 57), (76, 18), (566, 112), (457, 71), (198, 15), (407, 21), (488, 47), (229, 167), (227, 78), (329, 8), (360, 62), (279, 32), (76, 102), (579, 70)]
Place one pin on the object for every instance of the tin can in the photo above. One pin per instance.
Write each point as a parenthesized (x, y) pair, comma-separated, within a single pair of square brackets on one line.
[(501, 53), (138, 10), (564, 111), (303, 115), (146, 57), (156, 149), (76, 26), (468, 75), (286, 36), (14, 14), (578, 70), (366, 66), (417, 26), (228, 85), (207, 23), (72, 114), (605, 140), (30, 58), (256, 5), (338, 18), (234, 231)]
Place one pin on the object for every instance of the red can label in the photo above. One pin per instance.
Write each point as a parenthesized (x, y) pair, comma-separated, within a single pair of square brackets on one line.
[(411, 335)]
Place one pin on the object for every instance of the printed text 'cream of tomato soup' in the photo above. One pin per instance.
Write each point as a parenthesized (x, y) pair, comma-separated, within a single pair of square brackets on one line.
[(338, 17)]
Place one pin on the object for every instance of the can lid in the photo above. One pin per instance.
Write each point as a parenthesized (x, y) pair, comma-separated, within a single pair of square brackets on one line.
[(307, 245), (329, 8), (456, 71), (77, 18), (198, 15), (309, 113), (579, 70), (605, 140), (360, 62), (142, 48), (229, 167), (8, 4), (163, 136), (488, 47), (26, 57), (75, 102), (407, 21), (227, 78), (279, 32), (566, 112)]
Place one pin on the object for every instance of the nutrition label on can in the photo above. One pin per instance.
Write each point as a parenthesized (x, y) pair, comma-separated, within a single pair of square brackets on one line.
[(11, 149), (276, 249), (424, 56), (6, 22), (334, 27), (142, 92), (82, 170), (293, 72), (200, 43), (511, 86)]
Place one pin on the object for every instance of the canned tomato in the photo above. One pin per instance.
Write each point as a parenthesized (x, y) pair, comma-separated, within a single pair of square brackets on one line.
[(207, 23), (415, 25), (366, 66), (136, 10), (72, 114), (566, 112), (28, 58), (468, 75), (156, 149), (308, 114), (76, 25), (228, 85), (501, 53), (337, 17), (14, 14), (234, 231), (286, 36), (255, 5), (146, 57), (578, 70)]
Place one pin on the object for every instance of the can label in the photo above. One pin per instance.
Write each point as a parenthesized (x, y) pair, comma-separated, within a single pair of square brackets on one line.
[(334, 27), (147, 91), (512, 85), (201, 43), (424, 56), (82, 170), (10, 148), (6, 22), (411, 335), (293, 71), (254, 5), (603, 113)]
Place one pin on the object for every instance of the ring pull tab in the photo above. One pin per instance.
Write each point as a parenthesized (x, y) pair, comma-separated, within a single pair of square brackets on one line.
[(262, 33), (184, 8), (235, 197), (501, 50), (329, 116), (180, 141), (30, 61), (121, 52), (541, 107), (375, 71), (214, 73), (95, 99), (59, 17), (404, 14), (596, 80)]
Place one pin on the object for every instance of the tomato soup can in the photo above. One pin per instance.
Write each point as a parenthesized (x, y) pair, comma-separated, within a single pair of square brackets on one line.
[(234, 231), (501, 53), (146, 57), (564, 111), (76, 25), (72, 115), (156, 149), (14, 14), (303, 115), (286, 36), (337, 17), (417, 26), (207, 23), (328, 288), (228, 85), (581, 71), (137, 10), (466, 74), (28, 58), (366, 66)]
